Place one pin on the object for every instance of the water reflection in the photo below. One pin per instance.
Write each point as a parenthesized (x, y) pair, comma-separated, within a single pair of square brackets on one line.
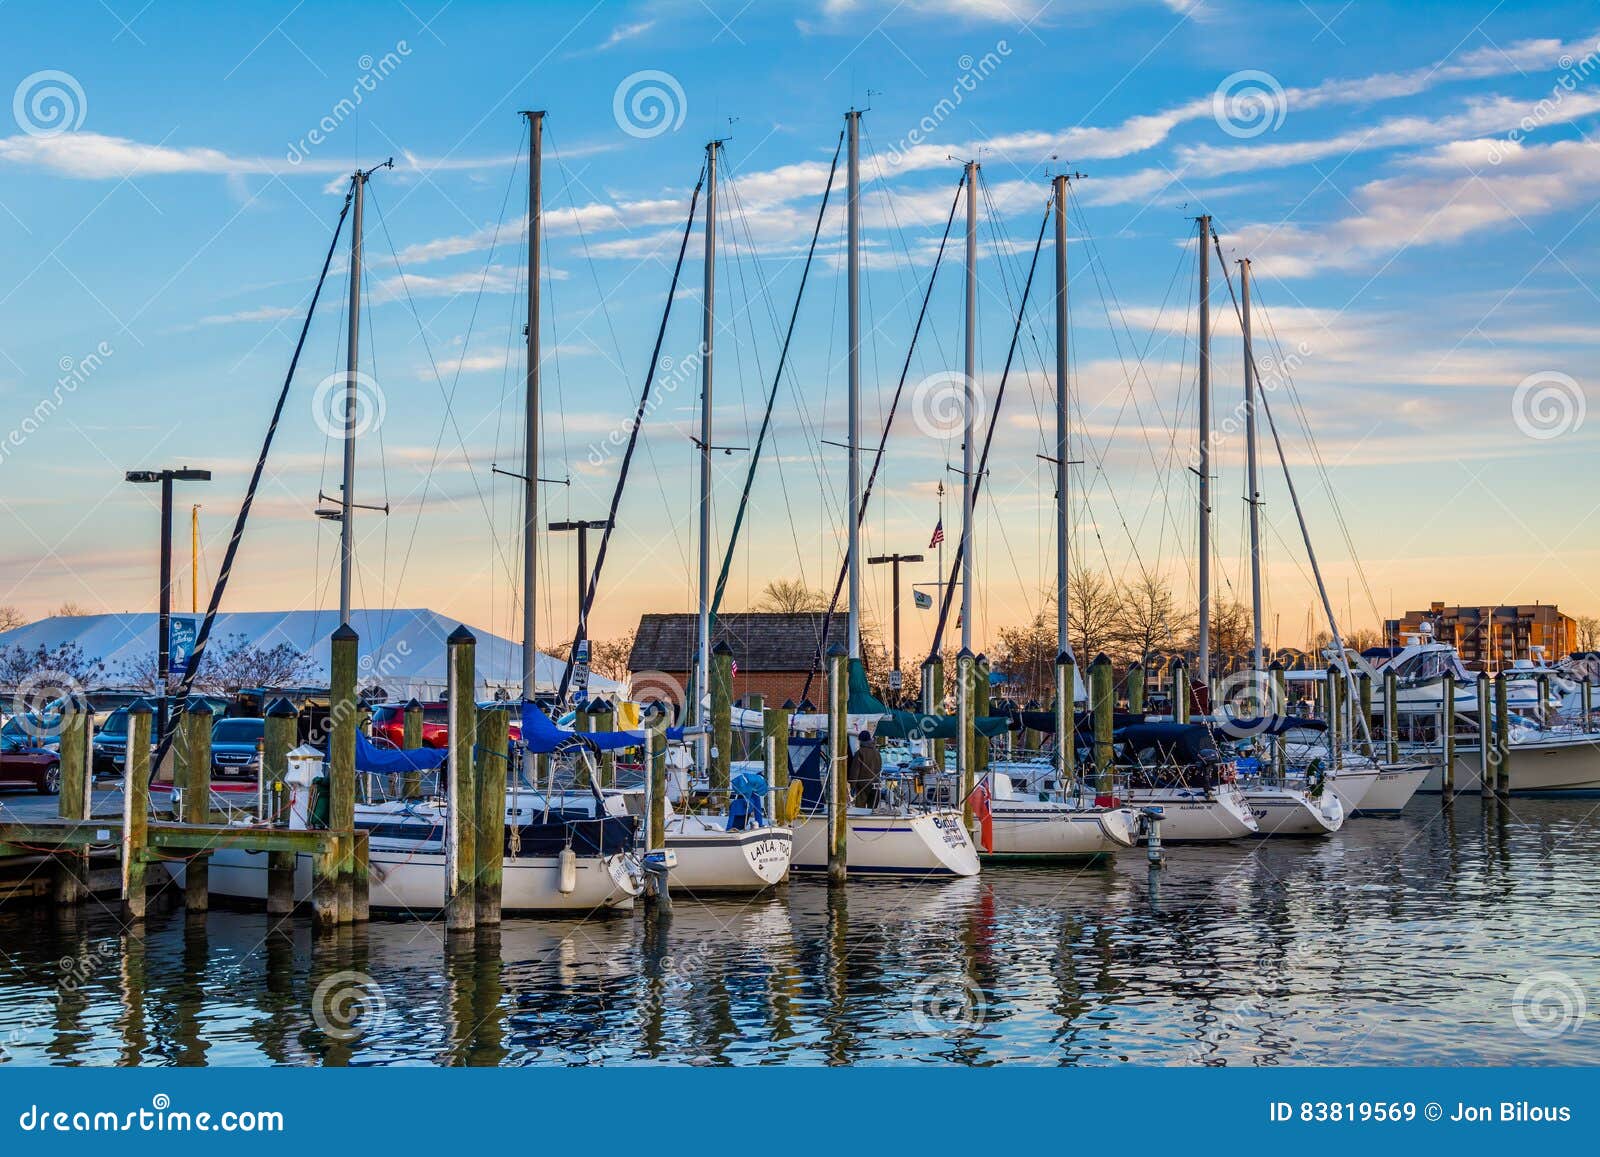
[(1399, 940)]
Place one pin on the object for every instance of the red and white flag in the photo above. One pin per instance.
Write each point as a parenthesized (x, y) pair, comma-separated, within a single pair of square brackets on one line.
[(938, 534)]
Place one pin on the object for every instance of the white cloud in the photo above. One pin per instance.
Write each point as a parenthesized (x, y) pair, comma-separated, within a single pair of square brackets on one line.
[(262, 313)]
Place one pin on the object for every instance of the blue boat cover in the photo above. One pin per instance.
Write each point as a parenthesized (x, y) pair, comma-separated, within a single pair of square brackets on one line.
[(542, 736), (388, 761)]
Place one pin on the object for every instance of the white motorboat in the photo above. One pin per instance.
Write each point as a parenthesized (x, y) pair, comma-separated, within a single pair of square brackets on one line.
[(1543, 762)]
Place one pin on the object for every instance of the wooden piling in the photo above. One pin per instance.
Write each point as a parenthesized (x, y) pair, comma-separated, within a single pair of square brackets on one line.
[(411, 740), (838, 762), (1502, 737), (982, 693), (1364, 732), (775, 727), (492, 763), (136, 810), (1391, 715), (1066, 713), (1136, 689), (345, 718), (76, 791), (933, 704), (1447, 738), (1180, 690), (461, 860), (1102, 702), (194, 778), (603, 717), (1334, 709), (655, 722), (277, 741), (966, 748), (581, 723), (1280, 706), (1486, 748), (360, 877), (755, 748), (721, 723)]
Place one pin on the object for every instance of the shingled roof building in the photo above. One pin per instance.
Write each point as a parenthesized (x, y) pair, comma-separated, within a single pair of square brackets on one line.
[(772, 652)]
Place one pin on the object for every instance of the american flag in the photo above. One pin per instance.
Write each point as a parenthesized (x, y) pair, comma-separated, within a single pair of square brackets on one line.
[(938, 534)]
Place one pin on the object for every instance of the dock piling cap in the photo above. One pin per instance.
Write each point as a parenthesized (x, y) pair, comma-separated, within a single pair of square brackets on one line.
[(281, 708), (722, 648), (461, 635), (836, 651), (345, 633), (1063, 659), (197, 706)]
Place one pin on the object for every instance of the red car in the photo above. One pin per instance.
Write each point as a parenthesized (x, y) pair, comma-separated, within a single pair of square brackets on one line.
[(389, 722), (24, 762)]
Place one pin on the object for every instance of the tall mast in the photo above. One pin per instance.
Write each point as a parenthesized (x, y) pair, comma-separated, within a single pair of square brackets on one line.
[(1062, 644), (1254, 496), (530, 401), (347, 494), (969, 428), (1203, 465), (852, 120), (702, 677)]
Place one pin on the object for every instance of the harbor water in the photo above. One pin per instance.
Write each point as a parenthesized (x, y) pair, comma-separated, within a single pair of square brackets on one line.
[(1455, 935)]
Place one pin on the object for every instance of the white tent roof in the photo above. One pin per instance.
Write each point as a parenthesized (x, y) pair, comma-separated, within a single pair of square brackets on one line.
[(401, 650)]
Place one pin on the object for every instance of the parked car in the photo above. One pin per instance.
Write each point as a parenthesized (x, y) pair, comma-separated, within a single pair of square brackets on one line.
[(389, 723), (235, 747), (26, 762), (111, 744)]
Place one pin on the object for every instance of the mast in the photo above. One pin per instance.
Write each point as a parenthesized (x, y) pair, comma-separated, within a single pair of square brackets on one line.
[(347, 493), (1254, 496), (702, 674), (1203, 465), (1063, 647), (852, 120), (969, 429), (530, 401)]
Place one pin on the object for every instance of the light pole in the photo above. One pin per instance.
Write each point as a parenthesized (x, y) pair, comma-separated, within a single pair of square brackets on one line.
[(895, 560), (583, 528), (164, 624)]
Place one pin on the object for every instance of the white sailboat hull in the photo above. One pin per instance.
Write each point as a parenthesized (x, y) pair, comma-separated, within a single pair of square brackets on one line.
[(1058, 831), (1394, 786), (1193, 815), (921, 844), (1287, 811), (712, 859), (405, 880)]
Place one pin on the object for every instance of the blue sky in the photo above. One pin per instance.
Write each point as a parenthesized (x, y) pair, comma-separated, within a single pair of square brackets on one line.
[(1415, 185)]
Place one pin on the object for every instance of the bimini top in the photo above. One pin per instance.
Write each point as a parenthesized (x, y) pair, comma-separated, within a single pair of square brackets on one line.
[(1179, 742), (389, 761)]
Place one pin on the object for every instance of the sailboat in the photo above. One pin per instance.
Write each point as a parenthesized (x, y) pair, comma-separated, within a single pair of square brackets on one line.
[(902, 833), (556, 861)]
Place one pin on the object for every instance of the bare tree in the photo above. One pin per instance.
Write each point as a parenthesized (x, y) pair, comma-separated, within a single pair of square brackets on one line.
[(1027, 654), (231, 664), (11, 618), (1151, 619), (1094, 614), (1588, 632), (70, 609), (789, 596), (63, 664)]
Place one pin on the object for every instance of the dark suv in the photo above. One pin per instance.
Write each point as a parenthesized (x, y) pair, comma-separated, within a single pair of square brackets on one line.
[(111, 744), (235, 746)]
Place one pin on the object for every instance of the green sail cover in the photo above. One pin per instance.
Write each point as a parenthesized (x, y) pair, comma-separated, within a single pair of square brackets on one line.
[(912, 724)]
